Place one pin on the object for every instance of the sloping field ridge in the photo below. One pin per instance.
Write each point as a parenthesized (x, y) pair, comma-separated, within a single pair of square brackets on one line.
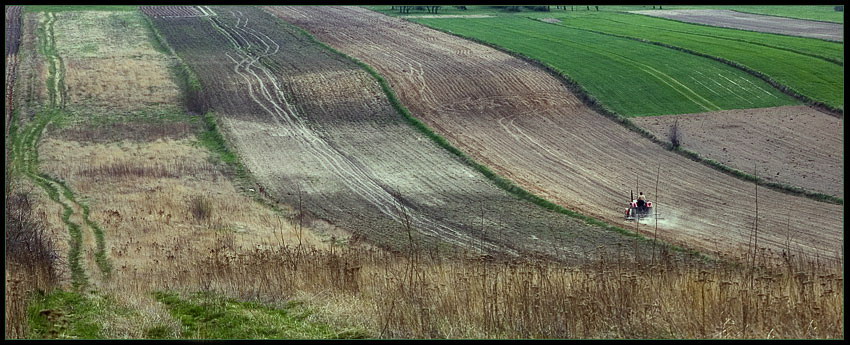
[(755, 22), (317, 130), (525, 124)]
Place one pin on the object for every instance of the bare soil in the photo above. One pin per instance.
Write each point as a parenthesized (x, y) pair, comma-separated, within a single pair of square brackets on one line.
[(13, 29), (317, 130), (755, 22), (171, 11), (794, 145), (527, 126)]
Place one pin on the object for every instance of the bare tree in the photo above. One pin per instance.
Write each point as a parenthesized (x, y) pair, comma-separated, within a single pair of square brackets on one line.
[(675, 135)]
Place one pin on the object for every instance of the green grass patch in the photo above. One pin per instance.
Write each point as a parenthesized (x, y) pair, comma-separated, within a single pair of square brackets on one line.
[(212, 140), (831, 51), (787, 60), (630, 77), (24, 163), (205, 315), (72, 315)]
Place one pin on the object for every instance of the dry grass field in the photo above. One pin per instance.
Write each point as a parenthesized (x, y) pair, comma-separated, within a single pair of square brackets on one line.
[(110, 64), (130, 218)]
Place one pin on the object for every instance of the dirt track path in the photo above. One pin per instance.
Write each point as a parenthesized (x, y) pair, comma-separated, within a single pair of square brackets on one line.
[(312, 125), (526, 125), (755, 22)]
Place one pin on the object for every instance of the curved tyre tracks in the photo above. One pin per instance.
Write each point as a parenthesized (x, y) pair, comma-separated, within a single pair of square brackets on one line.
[(525, 124), (314, 127)]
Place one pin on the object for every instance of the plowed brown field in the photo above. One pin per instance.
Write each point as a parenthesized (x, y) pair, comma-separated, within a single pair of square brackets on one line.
[(526, 125), (795, 145), (755, 22), (313, 126)]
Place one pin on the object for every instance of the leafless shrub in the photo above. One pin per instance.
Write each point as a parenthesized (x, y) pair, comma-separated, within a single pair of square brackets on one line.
[(675, 135), (200, 207), (31, 261)]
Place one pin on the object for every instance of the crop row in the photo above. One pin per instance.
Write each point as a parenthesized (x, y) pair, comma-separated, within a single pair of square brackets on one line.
[(13, 39), (529, 128), (787, 60), (632, 78), (306, 122), (13, 29), (171, 11)]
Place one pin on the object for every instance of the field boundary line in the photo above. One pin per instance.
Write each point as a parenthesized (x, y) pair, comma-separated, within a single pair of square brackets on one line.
[(500, 181), (593, 103), (188, 82), (817, 105)]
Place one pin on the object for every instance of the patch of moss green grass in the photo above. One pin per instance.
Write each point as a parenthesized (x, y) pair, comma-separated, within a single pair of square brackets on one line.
[(206, 315), (72, 315)]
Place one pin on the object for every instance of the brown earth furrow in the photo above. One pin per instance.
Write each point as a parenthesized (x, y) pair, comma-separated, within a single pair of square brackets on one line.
[(314, 128), (591, 162), (794, 145), (359, 182)]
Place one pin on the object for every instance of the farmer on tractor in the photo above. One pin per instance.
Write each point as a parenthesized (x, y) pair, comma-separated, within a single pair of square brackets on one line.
[(641, 203), (639, 207)]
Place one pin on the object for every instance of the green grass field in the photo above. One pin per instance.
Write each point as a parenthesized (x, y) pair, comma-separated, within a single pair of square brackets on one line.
[(629, 77), (825, 13), (623, 24), (788, 60)]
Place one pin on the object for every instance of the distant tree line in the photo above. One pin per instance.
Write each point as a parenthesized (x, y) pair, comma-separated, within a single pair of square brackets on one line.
[(430, 9), (436, 9), (519, 8)]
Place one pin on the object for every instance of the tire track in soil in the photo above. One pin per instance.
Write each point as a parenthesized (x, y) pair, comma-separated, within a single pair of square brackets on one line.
[(704, 209), (358, 181), (307, 120), (75, 214)]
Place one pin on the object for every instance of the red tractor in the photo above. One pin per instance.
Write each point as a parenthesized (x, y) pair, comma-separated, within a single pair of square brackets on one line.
[(639, 209)]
